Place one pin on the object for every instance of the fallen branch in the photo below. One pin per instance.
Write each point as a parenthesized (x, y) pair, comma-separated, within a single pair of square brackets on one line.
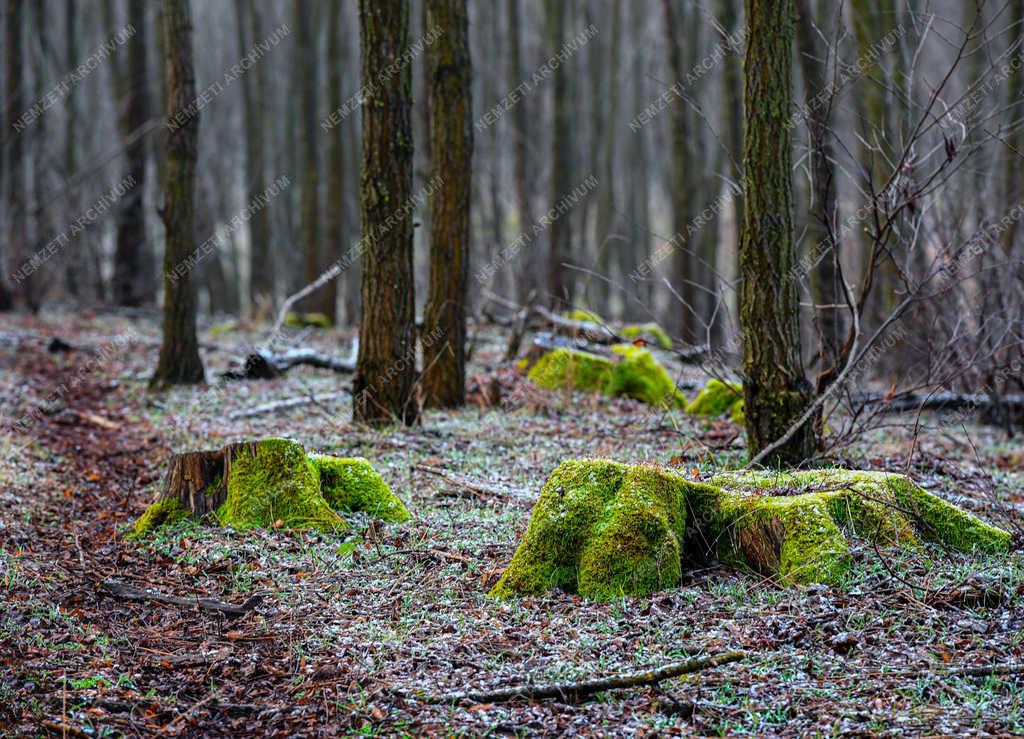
[(263, 364), (481, 487), (586, 687), (123, 590), (284, 405)]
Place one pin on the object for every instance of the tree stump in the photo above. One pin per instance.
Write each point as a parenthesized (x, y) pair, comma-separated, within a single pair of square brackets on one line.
[(270, 483), (606, 530)]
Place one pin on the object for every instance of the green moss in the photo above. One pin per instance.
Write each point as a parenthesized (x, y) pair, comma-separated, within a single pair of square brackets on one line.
[(580, 314), (163, 512), (308, 320), (602, 529), (651, 332), (607, 530), (633, 373), (273, 481), (351, 484), (796, 523), (717, 398)]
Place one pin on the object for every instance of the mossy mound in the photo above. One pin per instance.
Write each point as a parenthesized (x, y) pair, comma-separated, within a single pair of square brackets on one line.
[(601, 529), (271, 483), (651, 332), (631, 371), (717, 398), (351, 484), (308, 320), (606, 529)]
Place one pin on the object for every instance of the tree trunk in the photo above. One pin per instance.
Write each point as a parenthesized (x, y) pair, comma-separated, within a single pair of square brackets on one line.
[(776, 393), (323, 300), (559, 282), (872, 21), (335, 227), (451, 137), (683, 267), (821, 224), (254, 102), (131, 278), (1013, 178), (530, 276), (179, 361), (384, 388), (14, 146), (607, 238)]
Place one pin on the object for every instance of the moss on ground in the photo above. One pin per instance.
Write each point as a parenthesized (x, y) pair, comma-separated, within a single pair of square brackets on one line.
[(606, 529), (632, 372), (161, 513), (308, 320), (717, 398), (273, 483), (351, 484), (601, 529)]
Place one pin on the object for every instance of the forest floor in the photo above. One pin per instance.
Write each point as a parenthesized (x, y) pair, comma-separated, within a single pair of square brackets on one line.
[(347, 630)]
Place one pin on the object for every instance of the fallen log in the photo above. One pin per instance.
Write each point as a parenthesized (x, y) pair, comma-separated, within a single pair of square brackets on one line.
[(263, 364), (1000, 410), (568, 690), (123, 590)]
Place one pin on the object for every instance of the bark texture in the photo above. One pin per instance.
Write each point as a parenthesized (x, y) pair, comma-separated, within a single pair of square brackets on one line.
[(179, 361), (323, 300), (13, 149), (131, 263), (560, 283), (261, 265), (335, 226), (776, 393), (384, 388), (451, 152)]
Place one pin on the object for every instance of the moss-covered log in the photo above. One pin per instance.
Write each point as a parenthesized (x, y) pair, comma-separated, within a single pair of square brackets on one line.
[(605, 529), (629, 371), (270, 483)]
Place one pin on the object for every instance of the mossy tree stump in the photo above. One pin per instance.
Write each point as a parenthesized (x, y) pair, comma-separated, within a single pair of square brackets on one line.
[(270, 483), (629, 371), (604, 529)]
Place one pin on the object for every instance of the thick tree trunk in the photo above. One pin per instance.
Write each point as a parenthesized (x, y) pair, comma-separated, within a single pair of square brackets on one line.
[(179, 361), (776, 393), (131, 264), (559, 282), (385, 383), (261, 269), (451, 137), (683, 260)]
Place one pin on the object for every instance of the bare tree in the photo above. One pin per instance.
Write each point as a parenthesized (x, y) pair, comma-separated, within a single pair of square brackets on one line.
[(179, 361)]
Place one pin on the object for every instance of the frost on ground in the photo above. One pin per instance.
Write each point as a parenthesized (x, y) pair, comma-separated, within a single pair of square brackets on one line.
[(354, 620)]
